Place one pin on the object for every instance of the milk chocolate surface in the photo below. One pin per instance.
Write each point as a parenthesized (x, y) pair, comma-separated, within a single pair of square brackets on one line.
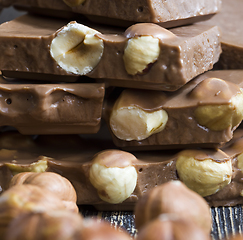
[(182, 127), (70, 156), (229, 20), (25, 46), (51, 108), (173, 13)]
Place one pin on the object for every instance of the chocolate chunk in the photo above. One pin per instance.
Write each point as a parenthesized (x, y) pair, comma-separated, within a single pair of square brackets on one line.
[(196, 114), (71, 157), (229, 21), (173, 13), (51, 108), (179, 55)]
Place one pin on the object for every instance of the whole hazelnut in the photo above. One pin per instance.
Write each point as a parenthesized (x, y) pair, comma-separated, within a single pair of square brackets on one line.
[(172, 227), (25, 198), (30, 198), (173, 197), (53, 182), (61, 225)]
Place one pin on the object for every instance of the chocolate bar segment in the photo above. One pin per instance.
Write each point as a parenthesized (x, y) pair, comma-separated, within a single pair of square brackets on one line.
[(192, 115), (229, 21), (51, 108), (32, 43), (71, 156), (172, 13)]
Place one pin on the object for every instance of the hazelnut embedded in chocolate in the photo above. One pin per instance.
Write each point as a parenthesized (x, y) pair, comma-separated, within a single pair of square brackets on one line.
[(76, 48), (130, 121), (203, 175), (218, 117), (143, 48), (172, 227), (113, 175), (52, 182), (173, 198), (38, 166)]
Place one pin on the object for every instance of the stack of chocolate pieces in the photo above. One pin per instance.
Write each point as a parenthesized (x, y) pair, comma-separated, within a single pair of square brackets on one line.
[(149, 76)]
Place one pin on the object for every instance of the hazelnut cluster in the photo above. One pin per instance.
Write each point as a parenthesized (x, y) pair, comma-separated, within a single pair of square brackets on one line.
[(42, 206)]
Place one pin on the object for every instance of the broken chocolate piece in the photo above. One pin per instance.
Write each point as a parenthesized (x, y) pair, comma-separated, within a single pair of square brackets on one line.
[(143, 119), (32, 45), (170, 14), (71, 157), (229, 20), (51, 108)]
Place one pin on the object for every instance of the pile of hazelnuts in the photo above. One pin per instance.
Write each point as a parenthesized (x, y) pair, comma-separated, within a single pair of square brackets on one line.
[(43, 206)]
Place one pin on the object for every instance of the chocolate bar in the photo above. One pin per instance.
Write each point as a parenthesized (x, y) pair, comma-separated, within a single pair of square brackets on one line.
[(229, 21), (169, 14), (73, 157), (42, 108), (195, 114), (168, 59)]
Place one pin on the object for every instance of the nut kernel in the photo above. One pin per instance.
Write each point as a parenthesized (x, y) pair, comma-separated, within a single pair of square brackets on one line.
[(220, 117), (139, 53), (240, 166), (129, 122), (205, 177), (77, 49), (38, 167), (113, 183)]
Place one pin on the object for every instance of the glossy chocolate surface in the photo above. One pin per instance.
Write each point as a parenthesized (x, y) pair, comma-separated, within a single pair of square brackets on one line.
[(207, 89), (51, 108), (25, 46), (71, 157), (173, 13)]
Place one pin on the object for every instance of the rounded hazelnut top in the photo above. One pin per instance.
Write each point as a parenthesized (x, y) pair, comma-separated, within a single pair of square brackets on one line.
[(52, 182), (214, 90), (31, 198), (148, 29), (114, 158), (48, 180), (173, 198)]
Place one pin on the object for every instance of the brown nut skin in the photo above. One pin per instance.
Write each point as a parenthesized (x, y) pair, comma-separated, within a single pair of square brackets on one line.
[(172, 227), (148, 29), (61, 225), (236, 237), (53, 182), (25, 198), (7, 214), (93, 229), (114, 158), (30, 198), (175, 198)]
